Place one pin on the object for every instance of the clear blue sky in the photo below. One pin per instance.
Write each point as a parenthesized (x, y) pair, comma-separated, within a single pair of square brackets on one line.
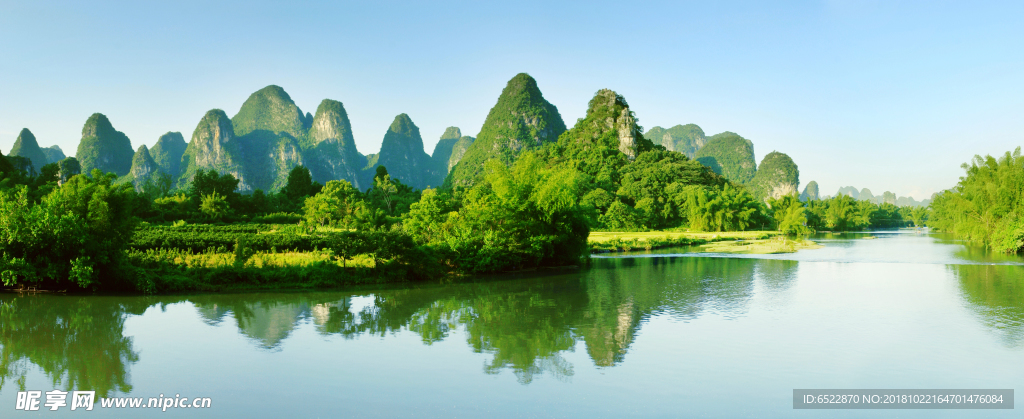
[(885, 95)]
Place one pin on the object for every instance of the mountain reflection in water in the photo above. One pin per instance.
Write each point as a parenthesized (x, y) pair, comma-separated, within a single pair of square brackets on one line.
[(526, 325)]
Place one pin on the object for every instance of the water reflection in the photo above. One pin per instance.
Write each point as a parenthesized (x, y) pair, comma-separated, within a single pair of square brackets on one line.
[(525, 325), (77, 342), (996, 294)]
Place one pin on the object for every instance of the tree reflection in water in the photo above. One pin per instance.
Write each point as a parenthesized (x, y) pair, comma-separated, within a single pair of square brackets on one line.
[(996, 294), (524, 324), (78, 342)]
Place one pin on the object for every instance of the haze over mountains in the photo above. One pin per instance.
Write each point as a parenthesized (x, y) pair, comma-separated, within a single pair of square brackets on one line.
[(270, 135)]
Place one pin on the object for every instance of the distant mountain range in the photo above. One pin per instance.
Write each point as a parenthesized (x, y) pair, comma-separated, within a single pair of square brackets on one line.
[(270, 135), (886, 197)]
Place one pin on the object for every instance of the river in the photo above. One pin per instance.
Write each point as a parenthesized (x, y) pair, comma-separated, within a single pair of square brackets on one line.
[(664, 333)]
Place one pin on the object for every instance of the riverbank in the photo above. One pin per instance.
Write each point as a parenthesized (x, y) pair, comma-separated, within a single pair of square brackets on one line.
[(606, 242)]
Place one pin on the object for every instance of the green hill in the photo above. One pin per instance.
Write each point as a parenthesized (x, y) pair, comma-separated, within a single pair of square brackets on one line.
[(26, 146), (102, 147), (331, 150), (628, 180), (443, 150), (144, 167), (810, 192), (776, 177), (521, 119), (213, 146), (402, 154), (270, 109), (729, 155), (54, 154), (849, 191), (167, 152), (686, 139), (458, 151)]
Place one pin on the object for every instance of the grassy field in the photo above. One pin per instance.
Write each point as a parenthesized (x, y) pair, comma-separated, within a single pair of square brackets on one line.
[(602, 241), (603, 236), (777, 244)]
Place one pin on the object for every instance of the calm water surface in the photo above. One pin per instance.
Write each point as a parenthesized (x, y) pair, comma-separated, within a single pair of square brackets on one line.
[(652, 334)]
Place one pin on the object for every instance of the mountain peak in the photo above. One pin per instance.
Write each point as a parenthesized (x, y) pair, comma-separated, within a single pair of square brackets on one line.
[(729, 155), (270, 109), (402, 154), (27, 146), (102, 147), (451, 133), (168, 151), (521, 119), (776, 177)]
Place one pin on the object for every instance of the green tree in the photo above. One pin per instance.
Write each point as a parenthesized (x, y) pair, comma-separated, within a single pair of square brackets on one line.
[(74, 237), (214, 206), (334, 205)]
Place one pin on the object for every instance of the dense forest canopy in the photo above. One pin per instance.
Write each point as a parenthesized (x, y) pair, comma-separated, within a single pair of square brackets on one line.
[(987, 206)]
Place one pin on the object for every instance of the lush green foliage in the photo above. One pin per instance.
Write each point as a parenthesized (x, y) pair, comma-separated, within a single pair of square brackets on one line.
[(168, 151), (74, 237), (987, 206), (270, 109), (102, 147), (27, 146), (521, 119), (729, 155), (518, 217), (402, 152), (776, 176), (54, 154), (443, 152)]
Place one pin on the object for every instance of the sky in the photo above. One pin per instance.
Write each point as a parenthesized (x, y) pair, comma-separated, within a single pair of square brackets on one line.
[(887, 95)]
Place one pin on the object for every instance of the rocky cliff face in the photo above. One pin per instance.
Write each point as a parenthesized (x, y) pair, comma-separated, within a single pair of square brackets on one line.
[(168, 151), (777, 176), (143, 168), (686, 139), (402, 154), (332, 154), (213, 146), (54, 154), (102, 147), (26, 146), (521, 119), (611, 109)]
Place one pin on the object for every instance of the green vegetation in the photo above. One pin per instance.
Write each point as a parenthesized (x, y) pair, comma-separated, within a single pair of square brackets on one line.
[(54, 154), (167, 153), (443, 151), (330, 151), (686, 139), (270, 109), (26, 146), (102, 147), (243, 212), (459, 150), (402, 151), (601, 242), (987, 206), (729, 155), (521, 120), (777, 176), (810, 192)]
